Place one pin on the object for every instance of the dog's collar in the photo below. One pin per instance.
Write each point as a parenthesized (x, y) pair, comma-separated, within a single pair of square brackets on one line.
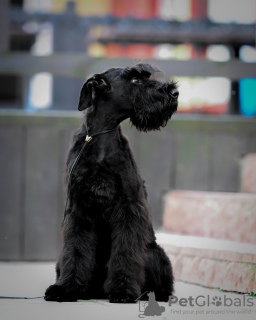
[(88, 138)]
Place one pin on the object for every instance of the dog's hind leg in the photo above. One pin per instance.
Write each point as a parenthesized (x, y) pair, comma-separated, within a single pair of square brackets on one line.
[(128, 254), (159, 275), (57, 270), (76, 263)]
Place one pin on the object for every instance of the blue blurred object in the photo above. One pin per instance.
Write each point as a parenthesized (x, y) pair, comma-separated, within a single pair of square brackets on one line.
[(247, 96)]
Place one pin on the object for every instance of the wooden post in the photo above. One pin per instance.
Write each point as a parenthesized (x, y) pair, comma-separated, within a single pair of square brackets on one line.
[(199, 11), (4, 25), (68, 37), (234, 105)]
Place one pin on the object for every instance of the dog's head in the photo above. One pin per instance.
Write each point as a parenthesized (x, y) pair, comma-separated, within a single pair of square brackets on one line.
[(134, 93)]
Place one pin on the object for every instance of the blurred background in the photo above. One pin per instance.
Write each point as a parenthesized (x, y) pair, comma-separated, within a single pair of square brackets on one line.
[(180, 31), (47, 50)]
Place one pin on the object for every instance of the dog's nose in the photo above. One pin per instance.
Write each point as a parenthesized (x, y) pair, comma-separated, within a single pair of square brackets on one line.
[(174, 93)]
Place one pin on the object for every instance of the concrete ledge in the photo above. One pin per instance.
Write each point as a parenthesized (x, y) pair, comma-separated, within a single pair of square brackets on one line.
[(225, 268), (248, 173), (211, 214)]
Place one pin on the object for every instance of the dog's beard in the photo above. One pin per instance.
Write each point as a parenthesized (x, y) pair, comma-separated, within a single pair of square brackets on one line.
[(153, 115), (153, 106)]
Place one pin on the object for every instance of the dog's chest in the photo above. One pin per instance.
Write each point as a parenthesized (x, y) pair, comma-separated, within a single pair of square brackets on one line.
[(103, 176), (94, 181)]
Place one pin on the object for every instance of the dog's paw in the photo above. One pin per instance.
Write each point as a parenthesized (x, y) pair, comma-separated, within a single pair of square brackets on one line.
[(122, 298), (163, 295), (124, 295), (122, 289), (59, 294)]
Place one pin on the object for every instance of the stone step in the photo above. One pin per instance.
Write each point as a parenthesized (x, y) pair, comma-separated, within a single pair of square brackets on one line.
[(248, 173), (220, 215), (209, 262)]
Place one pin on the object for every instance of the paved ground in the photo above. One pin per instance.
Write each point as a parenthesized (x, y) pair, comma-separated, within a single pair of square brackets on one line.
[(192, 302)]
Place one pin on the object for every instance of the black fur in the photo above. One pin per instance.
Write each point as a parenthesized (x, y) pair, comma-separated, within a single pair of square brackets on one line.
[(109, 248)]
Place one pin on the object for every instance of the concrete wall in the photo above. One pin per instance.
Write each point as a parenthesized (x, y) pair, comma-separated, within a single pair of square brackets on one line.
[(192, 152)]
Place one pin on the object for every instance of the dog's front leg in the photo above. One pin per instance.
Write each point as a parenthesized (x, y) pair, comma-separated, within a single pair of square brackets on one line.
[(127, 260), (76, 262)]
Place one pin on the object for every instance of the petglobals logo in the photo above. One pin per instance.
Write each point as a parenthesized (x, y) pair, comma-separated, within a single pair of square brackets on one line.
[(150, 307), (206, 301), (198, 305), (205, 305)]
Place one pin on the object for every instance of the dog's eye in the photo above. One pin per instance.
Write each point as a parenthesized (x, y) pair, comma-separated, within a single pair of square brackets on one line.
[(102, 81), (135, 80)]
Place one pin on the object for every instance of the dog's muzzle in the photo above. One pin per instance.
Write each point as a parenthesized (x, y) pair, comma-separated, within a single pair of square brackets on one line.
[(170, 90), (174, 93)]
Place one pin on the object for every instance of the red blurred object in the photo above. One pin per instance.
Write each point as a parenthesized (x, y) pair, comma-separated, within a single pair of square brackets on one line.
[(121, 8), (221, 108), (199, 9), (137, 8), (140, 51), (114, 50), (136, 51)]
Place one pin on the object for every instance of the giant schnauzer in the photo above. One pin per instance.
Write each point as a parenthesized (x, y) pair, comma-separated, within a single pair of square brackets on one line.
[(109, 249)]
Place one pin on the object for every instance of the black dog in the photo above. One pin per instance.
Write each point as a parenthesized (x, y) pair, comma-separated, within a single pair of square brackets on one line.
[(109, 248)]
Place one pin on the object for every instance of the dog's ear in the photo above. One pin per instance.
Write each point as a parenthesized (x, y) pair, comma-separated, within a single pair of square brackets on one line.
[(90, 90), (86, 97)]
